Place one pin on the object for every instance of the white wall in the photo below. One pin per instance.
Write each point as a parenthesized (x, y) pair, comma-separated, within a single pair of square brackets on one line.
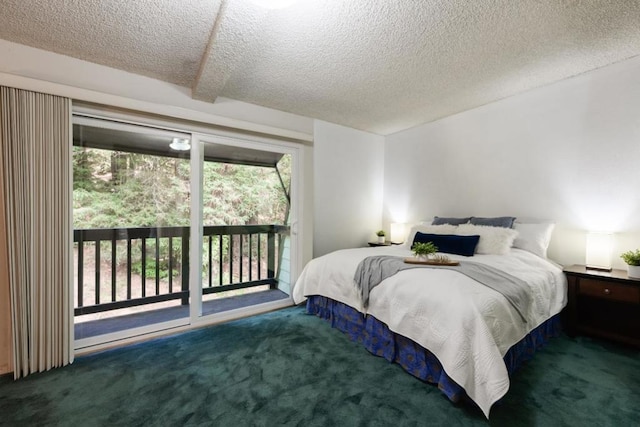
[(348, 179), (569, 152)]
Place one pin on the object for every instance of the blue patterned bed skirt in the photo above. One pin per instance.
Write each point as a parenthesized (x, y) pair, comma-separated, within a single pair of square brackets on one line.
[(376, 337)]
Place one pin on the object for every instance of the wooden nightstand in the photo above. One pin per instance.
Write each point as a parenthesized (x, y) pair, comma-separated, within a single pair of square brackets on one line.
[(603, 304), (387, 243)]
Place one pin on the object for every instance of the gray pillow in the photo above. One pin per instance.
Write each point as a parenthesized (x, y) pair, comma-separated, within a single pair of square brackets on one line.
[(500, 221), (437, 220)]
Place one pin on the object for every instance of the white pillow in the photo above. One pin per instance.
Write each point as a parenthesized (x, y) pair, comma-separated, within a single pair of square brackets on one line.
[(493, 240), (533, 238), (428, 229)]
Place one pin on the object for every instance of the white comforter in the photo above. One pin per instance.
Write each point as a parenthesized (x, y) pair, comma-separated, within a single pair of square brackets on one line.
[(468, 326)]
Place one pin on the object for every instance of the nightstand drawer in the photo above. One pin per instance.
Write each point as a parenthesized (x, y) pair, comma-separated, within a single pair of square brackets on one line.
[(609, 290), (603, 304)]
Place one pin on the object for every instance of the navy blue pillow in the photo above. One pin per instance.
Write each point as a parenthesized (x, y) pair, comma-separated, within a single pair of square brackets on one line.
[(437, 220), (450, 243), (500, 221)]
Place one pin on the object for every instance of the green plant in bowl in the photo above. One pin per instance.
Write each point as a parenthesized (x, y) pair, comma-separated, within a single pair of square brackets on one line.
[(380, 233), (423, 250), (631, 257)]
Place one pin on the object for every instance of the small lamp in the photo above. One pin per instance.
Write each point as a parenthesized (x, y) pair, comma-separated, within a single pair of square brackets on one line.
[(398, 232), (598, 255)]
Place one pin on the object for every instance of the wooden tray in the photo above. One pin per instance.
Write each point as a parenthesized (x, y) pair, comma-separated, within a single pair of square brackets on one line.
[(429, 262)]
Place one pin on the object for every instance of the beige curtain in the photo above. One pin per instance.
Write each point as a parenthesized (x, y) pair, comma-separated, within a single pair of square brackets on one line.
[(6, 340), (35, 142)]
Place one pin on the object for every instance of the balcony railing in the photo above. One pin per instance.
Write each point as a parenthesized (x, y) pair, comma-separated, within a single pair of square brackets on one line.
[(155, 261)]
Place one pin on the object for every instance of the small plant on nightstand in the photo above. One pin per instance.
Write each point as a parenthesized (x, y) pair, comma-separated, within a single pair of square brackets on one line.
[(381, 234), (423, 250), (632, 258)]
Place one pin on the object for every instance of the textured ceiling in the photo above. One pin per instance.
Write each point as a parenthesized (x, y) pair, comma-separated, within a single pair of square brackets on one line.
[(375, 65)]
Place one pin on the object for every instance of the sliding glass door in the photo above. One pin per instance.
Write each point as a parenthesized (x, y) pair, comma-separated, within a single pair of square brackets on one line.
[(245, 235), (174, 229), (131, 220)]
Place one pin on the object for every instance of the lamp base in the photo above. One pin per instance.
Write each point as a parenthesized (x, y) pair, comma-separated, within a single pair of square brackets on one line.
[(594, 267)]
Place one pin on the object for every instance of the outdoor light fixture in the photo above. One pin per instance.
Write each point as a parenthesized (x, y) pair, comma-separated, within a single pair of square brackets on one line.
[(180, 144), (598, 255)]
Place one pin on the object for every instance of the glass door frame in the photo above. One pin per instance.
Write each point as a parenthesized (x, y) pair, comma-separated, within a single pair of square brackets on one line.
[(104, 340), (198, 140)]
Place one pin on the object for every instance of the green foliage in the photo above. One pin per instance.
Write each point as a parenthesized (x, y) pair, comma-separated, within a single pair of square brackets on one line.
[(114, 189), (424, 248), (242, 195), (120, 190), (150, 266), (631, 257), (380, 233)]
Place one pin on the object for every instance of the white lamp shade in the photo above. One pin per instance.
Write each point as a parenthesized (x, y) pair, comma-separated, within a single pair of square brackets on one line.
[(398, 232), (599, 247)]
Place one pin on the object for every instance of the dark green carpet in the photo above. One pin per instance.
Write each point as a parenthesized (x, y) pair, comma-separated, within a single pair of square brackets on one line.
[(289, 368)]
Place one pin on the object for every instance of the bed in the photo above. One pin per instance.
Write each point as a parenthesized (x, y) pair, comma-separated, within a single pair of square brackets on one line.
[(438, 324)]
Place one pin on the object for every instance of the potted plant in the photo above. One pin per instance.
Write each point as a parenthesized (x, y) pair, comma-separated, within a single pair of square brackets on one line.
[(422, 251), (632, 258), (380, 235)]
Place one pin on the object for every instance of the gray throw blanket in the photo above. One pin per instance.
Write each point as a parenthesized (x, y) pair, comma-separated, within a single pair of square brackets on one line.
[(374, 269)]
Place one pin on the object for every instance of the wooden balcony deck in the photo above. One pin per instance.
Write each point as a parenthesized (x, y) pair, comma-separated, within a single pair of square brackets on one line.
[(134, 277), (115, 324)]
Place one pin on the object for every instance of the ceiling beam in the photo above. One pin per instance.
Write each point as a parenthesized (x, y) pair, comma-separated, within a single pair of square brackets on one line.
[(236, 25)]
